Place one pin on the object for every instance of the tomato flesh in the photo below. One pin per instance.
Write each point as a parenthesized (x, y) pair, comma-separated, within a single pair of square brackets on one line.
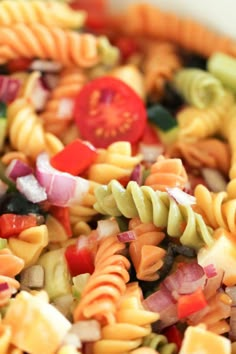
[(108, 110), (79, 260), (12, 224)]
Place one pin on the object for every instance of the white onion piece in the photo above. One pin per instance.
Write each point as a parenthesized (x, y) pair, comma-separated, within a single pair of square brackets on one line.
[(107, 227), (17, 168), (127, 236), (150, 152), (214, 179), (39, 95), (45, 66), (180, 196), (87, 331), (31, 189), (65, 108), (3, 188), (231, 291), (9, 88), (32, 277), (62, 188)]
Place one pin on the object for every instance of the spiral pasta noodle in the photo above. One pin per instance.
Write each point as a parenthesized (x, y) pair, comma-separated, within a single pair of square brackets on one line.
[(146, 20), (166, 173), (133, 324), (48, 13), (208, 152), (10, 266), (195, 123), (114, 162), (144, 253), (106, 285), (70, 82), (217, 208), (64, 46), (155, 207), (160, 343), (198, 87), (25, 127)]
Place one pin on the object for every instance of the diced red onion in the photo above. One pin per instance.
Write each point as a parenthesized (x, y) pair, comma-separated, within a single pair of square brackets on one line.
[(214, 179), (82, 242), (127, 236), (31, 189), (66, 108), (150, 152), (213, 284), (45, 66), (4, 286), (180, 196), (39, 95), (210, 270), (136, 174), (107, 227), (62, 188), (17, 168), (50, 81), (231, 291), (232, 323), (9, 88), (3, 188)]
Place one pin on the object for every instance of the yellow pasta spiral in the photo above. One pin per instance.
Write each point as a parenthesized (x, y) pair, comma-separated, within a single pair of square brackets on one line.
[(26, 132), (48, 13), (69, 84), (217, 209), (68, 47), (114, 162)]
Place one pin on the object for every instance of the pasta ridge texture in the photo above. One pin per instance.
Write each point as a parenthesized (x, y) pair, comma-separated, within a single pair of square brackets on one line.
[(48, 13), (155, 207), (106, 285)]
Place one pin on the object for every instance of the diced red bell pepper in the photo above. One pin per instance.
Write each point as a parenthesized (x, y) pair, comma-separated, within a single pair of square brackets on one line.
[(174, 335), (62, 214), (19, 64), (190, 303), (13, 224), (79, 260), (127, 46), (75, 158)]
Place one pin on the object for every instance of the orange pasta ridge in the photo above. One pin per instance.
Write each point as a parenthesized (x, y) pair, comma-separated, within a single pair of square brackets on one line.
[(70, 82), (144, 253), (64, 46), (147, 20), (167, 172), (106, 285)]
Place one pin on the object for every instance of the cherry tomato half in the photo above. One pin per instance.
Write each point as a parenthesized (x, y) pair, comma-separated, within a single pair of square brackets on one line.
[(108, 110)]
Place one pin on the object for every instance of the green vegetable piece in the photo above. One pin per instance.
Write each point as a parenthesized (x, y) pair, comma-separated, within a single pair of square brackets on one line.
[(223, 67), (3, 110), (58, 281), (3, 243), (79, 283), (161, 117)]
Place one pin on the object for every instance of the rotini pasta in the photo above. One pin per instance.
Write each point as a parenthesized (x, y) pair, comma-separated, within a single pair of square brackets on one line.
[(155, 207), (198, 87), (106, 285), (25, 127), (114, 162), (160, 343), (48, 13), (166, 173), (64, 46), (144, 253)]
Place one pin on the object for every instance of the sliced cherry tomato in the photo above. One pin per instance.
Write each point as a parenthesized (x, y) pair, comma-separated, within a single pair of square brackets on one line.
[(108, 110), (127, 46), (13, 224), (19, 64), (79, 260), (75, 158), (62, 214)]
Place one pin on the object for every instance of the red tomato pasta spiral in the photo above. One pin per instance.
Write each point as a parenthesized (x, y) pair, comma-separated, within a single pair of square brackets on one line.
[(104, 288), (167, 173)]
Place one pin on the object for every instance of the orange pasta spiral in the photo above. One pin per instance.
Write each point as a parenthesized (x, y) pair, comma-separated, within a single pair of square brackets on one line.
[(10, 266), (165, 173), (147, 20), (209, 152), (26, 132), (161, 60), (106, 285), (144, 253), (64, 46), (70, 82)]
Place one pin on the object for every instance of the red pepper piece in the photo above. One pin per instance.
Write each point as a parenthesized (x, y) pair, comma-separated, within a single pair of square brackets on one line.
[(190, 303), (19, 64), (79, 260), (13, 224), (62, 214), (174, 335), (75, 158)]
